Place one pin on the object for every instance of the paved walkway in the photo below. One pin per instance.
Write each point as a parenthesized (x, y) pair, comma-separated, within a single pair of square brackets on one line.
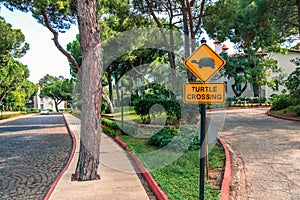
[(33, 151), (117, 178), (266, 155)]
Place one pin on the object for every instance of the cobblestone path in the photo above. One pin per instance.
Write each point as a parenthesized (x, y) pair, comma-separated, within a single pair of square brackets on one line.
[(266, 155), (33, 151)]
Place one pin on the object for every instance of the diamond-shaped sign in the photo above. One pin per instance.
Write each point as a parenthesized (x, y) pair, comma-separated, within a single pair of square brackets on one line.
[(204, 63)]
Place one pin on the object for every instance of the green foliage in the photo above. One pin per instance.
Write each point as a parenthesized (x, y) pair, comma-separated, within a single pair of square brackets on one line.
[(17, 99), (12, 41), (297, 110), (293, 83), (252, 25), (13, 75), (104, 107), (241, 70), (163, 137), (282, 101), (180, 179), (110, 123), (47, 79), (60, 90), (59, 12), (182, 139), (32, 110), (143, 106)]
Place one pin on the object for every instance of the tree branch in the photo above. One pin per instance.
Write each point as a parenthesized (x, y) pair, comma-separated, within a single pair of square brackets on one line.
[(158, 23), (57, 44), (200, 18)]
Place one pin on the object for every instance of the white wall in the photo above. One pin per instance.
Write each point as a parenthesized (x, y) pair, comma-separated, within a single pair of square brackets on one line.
[(283, 61)]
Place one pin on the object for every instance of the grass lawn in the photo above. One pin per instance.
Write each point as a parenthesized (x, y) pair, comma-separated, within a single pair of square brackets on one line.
[(180, 179), (176, 173), (286, 113), (130, 115), (6, 115)]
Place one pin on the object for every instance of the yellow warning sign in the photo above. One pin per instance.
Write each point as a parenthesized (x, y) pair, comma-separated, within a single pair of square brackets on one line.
[(204, 93), (204, 62)]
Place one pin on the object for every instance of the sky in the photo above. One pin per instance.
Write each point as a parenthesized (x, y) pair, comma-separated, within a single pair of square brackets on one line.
[(43, 57)]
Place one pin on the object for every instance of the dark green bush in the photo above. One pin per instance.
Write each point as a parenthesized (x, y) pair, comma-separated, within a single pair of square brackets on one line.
[(110, 123), (282, 101), (177, 139), (297, 110), (142, 107), (115, 126), (32, 110), (163, 137)]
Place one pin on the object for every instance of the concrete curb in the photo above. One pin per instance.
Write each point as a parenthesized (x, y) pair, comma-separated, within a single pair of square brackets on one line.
[(235, 108), (68, 162), (159, 194), (226, 177), (282, 117)]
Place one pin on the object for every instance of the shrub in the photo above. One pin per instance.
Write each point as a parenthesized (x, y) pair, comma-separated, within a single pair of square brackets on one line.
[(281, 102), (110, 123), (182, 139), (163, 137), (32, 110), (297, 110), (143, 106)]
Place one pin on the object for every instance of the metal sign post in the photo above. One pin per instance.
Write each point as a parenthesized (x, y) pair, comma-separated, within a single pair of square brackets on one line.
[(202, 151), (204, 63)]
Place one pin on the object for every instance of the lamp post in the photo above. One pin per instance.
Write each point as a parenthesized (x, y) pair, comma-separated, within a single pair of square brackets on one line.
[(122, 110), (1, 108)]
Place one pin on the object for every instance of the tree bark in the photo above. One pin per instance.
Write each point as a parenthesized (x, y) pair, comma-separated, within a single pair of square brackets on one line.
[(109, 102), (91, 76), (298, 9), (56, 105), (72, 60), (256, 90)]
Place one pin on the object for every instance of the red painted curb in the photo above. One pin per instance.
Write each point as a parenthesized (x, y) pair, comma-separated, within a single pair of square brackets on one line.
[(226, 178), (157, 191), (68, 162), (282, 117), (122, 144), (236, 108)]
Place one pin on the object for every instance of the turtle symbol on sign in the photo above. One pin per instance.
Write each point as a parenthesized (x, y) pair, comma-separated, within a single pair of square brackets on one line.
[(205, 62)]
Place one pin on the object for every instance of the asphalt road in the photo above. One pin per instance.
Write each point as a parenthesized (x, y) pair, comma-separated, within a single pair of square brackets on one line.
[(266, 155), (33, 151)]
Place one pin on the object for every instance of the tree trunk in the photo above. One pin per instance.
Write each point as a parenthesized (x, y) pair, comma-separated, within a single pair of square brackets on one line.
[(110, 87), (56, 106), (109, 102), (298, 6), (171, 56), (91, 75), (256, 90), (3, 95)]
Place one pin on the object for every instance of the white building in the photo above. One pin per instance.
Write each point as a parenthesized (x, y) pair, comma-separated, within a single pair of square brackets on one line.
[(283, 61), (46, 102)]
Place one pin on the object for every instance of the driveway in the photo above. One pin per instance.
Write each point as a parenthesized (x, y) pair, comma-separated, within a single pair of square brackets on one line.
[(265, 155), (33, 151)]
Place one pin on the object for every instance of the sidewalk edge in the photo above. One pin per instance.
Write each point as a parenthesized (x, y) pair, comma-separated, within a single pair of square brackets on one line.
[(158, 192), (72, 135), (282, 117), (226, 178)]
